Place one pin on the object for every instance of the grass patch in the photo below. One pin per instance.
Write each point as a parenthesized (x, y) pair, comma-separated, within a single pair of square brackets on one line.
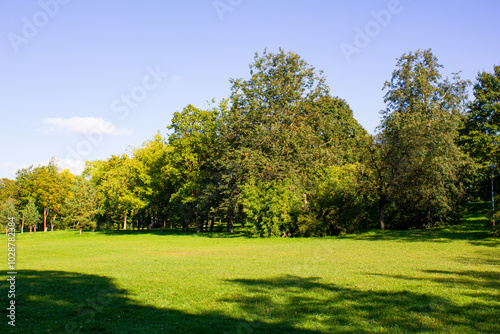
[(444, 280)]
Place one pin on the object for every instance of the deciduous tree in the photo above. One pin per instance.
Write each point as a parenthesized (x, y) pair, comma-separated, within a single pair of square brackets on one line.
[(420, 167)]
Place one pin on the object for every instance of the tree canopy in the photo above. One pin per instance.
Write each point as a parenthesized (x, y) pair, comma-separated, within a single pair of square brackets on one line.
[(283, 156)]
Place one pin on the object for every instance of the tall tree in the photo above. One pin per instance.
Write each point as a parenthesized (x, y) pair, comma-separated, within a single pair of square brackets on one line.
[(47, 187), (122, 183), (192, 141), (282, 125), (154, 155), (420, 166), (479, 133)]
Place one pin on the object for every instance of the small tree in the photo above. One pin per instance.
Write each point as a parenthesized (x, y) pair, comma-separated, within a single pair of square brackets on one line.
[(31, 215), (81, 205), (8, 211)]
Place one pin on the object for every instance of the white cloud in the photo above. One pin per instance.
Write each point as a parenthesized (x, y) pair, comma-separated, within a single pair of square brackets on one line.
[(76, 167), (81, 125)]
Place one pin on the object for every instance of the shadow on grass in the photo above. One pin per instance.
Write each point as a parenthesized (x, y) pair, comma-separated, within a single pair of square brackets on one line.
[(217, 233), (472, 228), (66, 302), (336, 309), (470, 279)]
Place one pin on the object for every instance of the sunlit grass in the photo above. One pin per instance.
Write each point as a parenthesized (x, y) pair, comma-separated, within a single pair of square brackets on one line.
[(441, 280)]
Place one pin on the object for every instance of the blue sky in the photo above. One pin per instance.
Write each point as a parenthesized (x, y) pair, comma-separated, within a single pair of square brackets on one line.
[(81, 80)]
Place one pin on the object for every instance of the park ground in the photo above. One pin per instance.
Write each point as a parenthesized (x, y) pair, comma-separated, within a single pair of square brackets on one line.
[(442, 280)]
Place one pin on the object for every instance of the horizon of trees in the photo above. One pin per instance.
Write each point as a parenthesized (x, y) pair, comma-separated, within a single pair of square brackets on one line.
[(282, 156)]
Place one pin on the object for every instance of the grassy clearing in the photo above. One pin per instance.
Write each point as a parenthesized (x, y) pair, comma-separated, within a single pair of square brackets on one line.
[(444, 280)]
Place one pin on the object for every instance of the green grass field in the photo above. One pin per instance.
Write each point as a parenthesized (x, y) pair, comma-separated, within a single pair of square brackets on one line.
[(444, 280)]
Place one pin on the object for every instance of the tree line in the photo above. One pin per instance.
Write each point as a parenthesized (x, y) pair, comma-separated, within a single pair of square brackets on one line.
[(283, 156)]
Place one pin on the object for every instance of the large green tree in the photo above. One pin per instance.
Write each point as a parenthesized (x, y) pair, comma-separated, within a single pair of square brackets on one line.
[(47, 186), (154, 155), (122, 183), (190, 163), (282, 125), (479, 135), (418, 167)]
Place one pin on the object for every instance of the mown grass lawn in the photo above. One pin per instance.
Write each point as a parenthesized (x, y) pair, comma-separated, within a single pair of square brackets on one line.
[(443, 280)]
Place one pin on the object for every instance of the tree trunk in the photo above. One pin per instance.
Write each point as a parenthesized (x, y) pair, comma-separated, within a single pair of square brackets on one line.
[(80, 230), (125, 221), (45, 214), (381, 206), (212, 222), (30, 228), (197, 221), (230, 225), (22, 223)]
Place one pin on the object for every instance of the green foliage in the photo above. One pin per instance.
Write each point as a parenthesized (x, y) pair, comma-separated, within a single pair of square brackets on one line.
[(8, 190), (122, 183), (421, 165), (270, 206), (155, 156), (282, 125), (31, 215), (81, 206), (285, 157), (340, 204), (190, 162), (47, 186), (8, 211), (479, 134)]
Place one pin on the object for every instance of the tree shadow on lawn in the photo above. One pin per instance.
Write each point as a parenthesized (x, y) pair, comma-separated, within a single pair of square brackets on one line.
[(472, 228), (238, 233), (483, 286), (67, 302), (337, 309)]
